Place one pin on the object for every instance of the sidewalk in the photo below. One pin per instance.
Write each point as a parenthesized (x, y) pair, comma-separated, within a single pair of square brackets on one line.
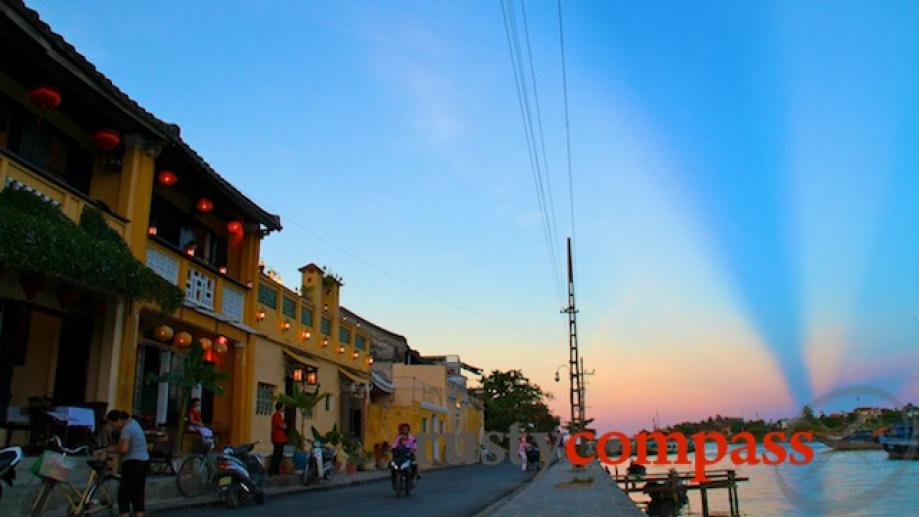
[(552, 492), (162, 492)]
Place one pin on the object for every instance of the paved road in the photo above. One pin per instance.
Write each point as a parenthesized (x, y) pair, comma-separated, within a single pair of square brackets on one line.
[(457, 491)]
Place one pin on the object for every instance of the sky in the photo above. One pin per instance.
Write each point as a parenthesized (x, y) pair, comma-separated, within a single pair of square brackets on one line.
[(745, 178)]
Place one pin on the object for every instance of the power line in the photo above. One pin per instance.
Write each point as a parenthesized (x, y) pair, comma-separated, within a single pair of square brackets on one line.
[(410, 285), (522, 90), (561, 40)]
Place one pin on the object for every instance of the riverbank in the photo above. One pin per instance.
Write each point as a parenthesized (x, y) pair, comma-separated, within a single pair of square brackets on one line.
[(560, 490)]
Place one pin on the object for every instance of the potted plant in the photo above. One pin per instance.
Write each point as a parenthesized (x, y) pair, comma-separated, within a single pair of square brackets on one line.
[(195, 371), (304, 401), (352, 449), (369, 462), (381, 454)]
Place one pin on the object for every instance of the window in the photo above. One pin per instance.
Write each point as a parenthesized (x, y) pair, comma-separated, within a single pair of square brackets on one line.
[(360, 342), (264, 398), (289, 308), (328, 402), (326, 326), (306, 316), (344, 335), (424, 425), (267, 296)]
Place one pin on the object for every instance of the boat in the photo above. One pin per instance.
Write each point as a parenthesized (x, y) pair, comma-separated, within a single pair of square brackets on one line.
[(858, 441), (902, 441)]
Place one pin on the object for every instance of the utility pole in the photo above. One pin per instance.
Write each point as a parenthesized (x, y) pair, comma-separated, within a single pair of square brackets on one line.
[(574, 364), (584, 373)]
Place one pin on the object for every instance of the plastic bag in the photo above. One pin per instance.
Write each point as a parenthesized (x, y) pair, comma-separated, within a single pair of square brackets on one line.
[(53, 465)]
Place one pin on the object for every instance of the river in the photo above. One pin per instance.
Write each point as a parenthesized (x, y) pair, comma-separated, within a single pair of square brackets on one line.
[(853, 483)]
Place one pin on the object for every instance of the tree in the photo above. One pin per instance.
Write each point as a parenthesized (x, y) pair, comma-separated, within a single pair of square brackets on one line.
[(807, 413), (509, 398), (303, 401), (195, 371)]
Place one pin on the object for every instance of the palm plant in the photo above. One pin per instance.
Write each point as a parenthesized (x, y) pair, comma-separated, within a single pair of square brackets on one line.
[(195, 371), (303, 400)]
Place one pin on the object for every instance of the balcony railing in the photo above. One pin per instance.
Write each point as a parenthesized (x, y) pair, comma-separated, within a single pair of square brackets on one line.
[(17, 174), (203, 288)]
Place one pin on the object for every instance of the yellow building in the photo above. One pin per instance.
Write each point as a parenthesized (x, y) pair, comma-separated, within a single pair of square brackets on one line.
[(433, 398), (77, 142), (305, 339)]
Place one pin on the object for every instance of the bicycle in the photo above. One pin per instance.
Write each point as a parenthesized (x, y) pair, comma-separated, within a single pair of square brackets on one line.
[(99, 495), (198, 472)]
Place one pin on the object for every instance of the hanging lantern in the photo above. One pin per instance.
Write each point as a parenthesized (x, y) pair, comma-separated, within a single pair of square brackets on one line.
[(204, 205), (235, 227), (304, 335), (152, 231), (341, 349), (285, 326), (221, 347), (311, 377), (210, 356), (106, 139), (325, 342), (206, 344), (260, 315), (223, 270), (45, 97), (182, 339), (370, 361), (297, 374), (221, 340), (163, 333), (167, 178), (355, 354)]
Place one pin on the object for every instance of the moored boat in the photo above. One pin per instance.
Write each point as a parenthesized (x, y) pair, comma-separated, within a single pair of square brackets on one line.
[(857, 441), (902, 442)]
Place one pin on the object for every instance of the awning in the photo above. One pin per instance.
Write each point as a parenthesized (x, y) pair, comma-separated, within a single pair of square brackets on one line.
[(352, 377), (381, 382), (301, 357)]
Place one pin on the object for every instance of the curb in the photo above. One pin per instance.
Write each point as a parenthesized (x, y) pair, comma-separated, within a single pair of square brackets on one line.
[(506, 498), (184, 504)]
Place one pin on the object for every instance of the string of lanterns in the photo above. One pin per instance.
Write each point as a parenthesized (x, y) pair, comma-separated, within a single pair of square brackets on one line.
[(184, 339)]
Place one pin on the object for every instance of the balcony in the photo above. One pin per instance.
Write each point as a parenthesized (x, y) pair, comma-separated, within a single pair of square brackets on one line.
[(17, 174), (204, 287)]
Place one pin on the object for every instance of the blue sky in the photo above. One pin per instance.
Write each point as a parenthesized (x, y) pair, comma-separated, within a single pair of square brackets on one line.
[(745, 179)]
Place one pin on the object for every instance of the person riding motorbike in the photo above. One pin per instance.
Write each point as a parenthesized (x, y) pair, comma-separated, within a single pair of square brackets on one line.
[(406, 439)]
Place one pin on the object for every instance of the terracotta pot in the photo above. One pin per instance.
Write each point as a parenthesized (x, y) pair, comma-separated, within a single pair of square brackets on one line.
[(352, 468)]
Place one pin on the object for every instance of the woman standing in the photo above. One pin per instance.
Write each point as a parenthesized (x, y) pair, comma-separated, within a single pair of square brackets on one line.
[(133, 446)]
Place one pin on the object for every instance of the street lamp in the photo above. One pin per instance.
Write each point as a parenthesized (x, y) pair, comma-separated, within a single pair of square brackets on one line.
[(557, 378)]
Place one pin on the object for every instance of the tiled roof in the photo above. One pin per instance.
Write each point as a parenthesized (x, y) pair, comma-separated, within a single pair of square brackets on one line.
[(168, 132)]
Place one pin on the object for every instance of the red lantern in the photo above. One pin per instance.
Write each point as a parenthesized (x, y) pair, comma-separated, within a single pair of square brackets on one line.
[(45, 97), (182, 339), (210, 356), (106, 139), (167, 178), (235, 227), (204, 205), (221, 348), (206, 344), (163, 333)]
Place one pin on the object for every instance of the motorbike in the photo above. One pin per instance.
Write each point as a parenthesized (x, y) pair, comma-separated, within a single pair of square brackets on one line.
[(9, 458), (241, 475), (403, 473), (320, 464)]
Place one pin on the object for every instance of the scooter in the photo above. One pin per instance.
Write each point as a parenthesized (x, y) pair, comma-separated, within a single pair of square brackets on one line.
[(403, 472), (241, 475), (320, 464), (9, 458)]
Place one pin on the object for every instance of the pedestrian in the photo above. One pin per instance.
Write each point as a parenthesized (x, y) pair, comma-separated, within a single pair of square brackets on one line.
[(278, 439), (132, 445), (522, 452)]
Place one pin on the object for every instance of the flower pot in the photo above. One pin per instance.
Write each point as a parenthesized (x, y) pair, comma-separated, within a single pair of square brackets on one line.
[(369, 465), (382, 463), (352, 468)]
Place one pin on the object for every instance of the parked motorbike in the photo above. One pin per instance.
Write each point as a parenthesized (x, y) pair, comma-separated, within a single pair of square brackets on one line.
[(9, 458), (403, 473), (321, 463), (242, 475)]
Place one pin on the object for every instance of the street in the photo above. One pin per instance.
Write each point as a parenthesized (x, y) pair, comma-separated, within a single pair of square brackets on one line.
[(457, 491)]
